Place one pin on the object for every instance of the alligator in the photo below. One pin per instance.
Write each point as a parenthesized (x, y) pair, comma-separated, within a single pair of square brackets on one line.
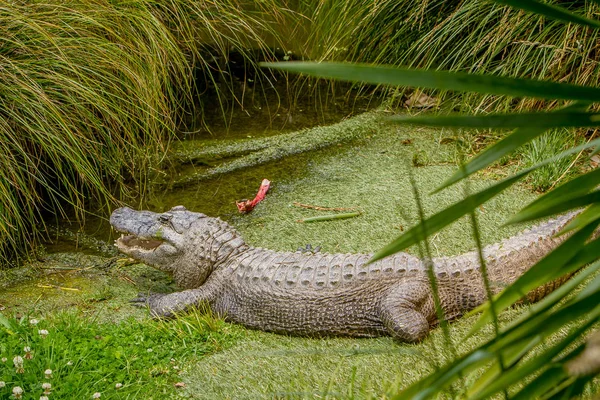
[(317, 294)]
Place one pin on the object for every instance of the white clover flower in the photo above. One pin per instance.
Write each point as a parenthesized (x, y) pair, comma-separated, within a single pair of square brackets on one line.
[(17, 392), (47, 387), (27, 351), (149, 350), (48, 373), (2, 384), (69, 363), (18, 361), (44, 398), (43, 333), (118, 385), (4, 359), (33, 321), (96, 395)]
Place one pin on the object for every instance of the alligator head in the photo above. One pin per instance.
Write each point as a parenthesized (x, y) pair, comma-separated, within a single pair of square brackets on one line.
[(183, 243)]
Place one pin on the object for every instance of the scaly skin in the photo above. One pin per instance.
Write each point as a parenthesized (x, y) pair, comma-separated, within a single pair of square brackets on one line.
[(316, 294)]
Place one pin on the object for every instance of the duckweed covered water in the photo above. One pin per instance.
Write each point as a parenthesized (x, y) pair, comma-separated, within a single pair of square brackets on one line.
[(369, 172)]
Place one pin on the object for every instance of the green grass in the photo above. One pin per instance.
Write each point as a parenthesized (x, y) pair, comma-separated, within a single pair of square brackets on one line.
[(546, 146), (87, 356), (263, 365), (474, 36)]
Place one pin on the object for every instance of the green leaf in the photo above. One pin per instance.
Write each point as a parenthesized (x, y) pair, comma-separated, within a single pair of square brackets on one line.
[(445, 217), (545, 324), (559, 294), (443, 80), (553, 380), (564, 259), (509, 358), (541, 211), (589, 253), (551, 11), (502, 148), (541, 120), (574, 188), (539, 362), (436, 381), (586, 217), (542, 384), (485, 353), (7, 324)]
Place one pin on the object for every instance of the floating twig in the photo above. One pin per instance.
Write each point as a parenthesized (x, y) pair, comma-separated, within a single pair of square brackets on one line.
[(127, 279), (59, 268), (296, 204), (58, 287), (331, 217)]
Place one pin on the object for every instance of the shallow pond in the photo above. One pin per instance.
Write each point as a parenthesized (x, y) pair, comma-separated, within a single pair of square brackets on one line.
[(358, 162)]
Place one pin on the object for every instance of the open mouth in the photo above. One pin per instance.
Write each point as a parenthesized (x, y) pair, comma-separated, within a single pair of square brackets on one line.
[(132, 242)]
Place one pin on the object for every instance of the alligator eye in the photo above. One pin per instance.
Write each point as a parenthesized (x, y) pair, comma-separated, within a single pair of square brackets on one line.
[(165, 219)]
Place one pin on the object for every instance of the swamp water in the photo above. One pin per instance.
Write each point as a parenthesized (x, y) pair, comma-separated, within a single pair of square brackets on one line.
[(359, 162)]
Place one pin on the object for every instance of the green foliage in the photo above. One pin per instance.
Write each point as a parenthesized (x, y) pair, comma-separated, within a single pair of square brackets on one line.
[(504, 359), (91, 94), (465, 36), (86, 356), (471, 36)]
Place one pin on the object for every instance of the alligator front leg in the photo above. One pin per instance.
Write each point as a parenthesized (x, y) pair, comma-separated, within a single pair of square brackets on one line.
[(168, 305), (402, 311)]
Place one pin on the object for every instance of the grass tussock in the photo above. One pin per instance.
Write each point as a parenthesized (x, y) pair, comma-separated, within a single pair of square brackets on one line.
[(91, 93)]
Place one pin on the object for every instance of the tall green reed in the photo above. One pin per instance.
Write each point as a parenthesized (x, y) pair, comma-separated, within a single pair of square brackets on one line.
[(91, 94), (472, 36)]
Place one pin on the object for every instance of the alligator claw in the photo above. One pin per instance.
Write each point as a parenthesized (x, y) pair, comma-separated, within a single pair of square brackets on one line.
[(142, 299), (152, 302)]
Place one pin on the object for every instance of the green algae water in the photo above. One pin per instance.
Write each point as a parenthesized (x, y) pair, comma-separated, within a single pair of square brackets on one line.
[(359, 163), (369, 172)]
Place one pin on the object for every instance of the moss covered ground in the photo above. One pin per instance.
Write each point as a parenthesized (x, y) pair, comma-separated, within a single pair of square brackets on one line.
[(371, 174)]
